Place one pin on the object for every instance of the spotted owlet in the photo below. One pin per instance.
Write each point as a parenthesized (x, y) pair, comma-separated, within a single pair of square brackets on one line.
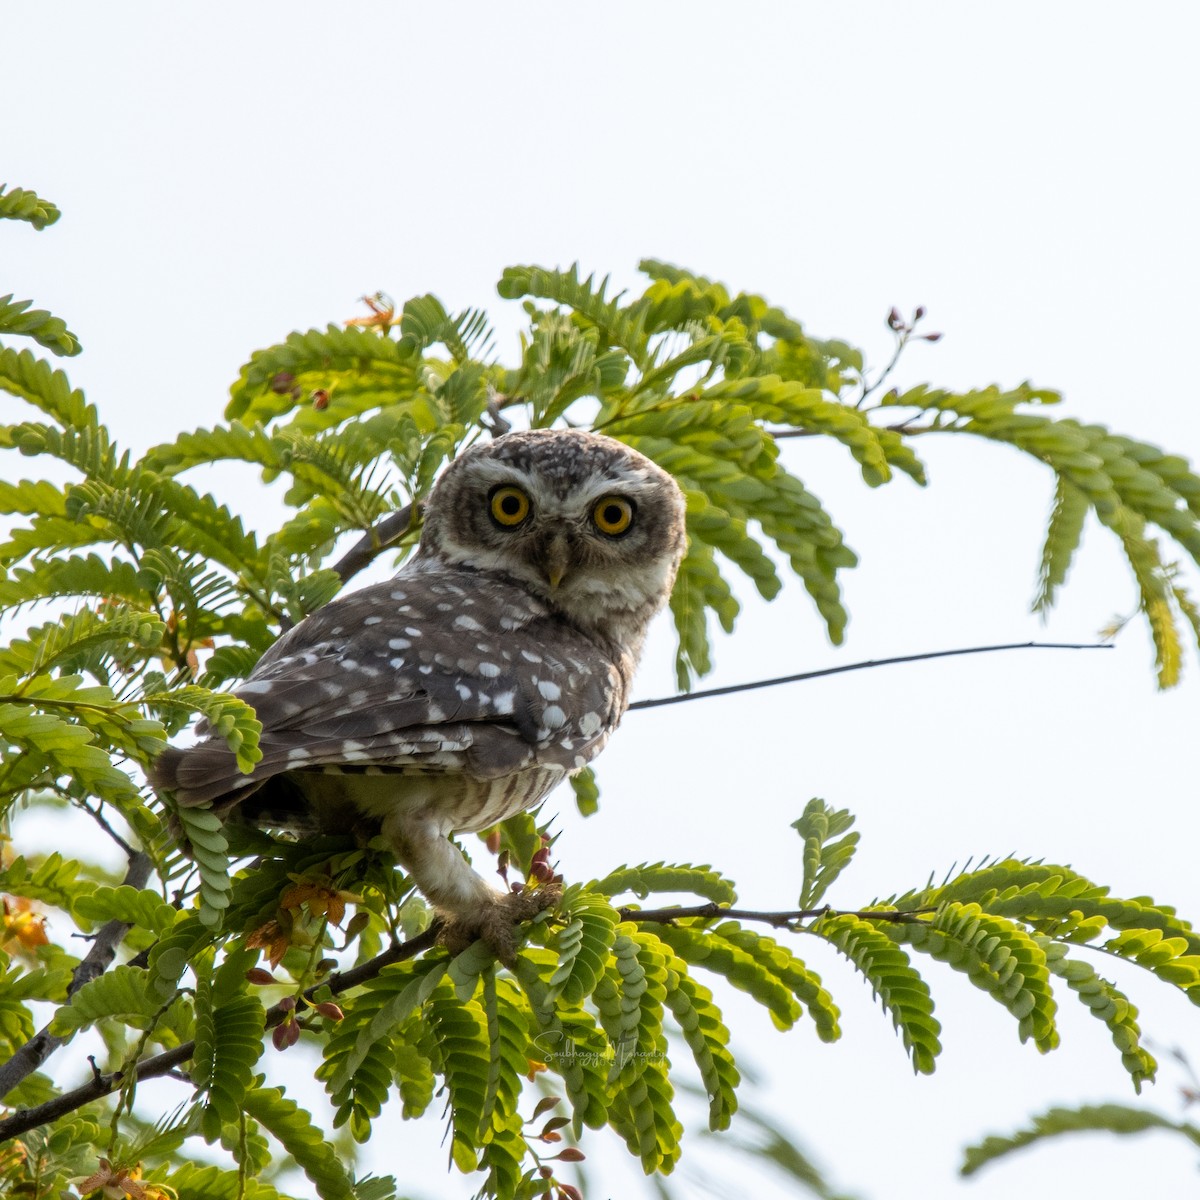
[(497, 662)]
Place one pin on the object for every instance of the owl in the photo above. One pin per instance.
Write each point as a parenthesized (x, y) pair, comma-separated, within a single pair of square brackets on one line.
[(495, 664)]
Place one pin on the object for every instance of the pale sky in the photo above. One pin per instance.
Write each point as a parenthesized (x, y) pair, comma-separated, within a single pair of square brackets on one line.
[(231, 173)]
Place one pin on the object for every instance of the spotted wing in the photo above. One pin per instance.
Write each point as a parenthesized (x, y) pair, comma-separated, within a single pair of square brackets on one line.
[(436, 670)]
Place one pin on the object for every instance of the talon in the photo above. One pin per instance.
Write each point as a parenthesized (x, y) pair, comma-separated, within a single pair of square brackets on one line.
[(496, 923)]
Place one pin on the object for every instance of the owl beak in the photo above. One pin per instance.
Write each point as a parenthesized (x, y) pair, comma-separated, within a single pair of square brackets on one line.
[(556, 558)]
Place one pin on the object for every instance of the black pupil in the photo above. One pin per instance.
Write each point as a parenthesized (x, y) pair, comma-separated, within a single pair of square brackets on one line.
[(613, 514), (510, 505)]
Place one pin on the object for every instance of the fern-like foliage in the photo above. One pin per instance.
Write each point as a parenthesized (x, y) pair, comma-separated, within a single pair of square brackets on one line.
[(901, 991), (292, 1127), (1130, 486), (123, 992), (21, 204), (828, 848), (141, 597), (1120, 1119), (20, 317)]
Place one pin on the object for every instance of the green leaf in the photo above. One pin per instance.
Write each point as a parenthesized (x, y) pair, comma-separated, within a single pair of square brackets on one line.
[(700, 948), (569, 1042), (122, 993), (412, 1070), (84, 641), (202, 829), (17, 316), (63, 747), (621, 327), (1097, 1118), (702, 1027), (175, 951), (20, 204), (88, 575), (317, 359), (229, 1043), (1062, 902), (799, 979), (292, 1127), (30, 496), (360, 1051), (33, 379), (583, 945), (997, 956), (143, 908), (900, 989), (587, 794), (198, 1182), (1062, 540), (55, 880), (826, 853), (1170, 958), (469, 967), (1107, 1003), (224, 715), (642, 880), (642, 1111), (464, 1059)]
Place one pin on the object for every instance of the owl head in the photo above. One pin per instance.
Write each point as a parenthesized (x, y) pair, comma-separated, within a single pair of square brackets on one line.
[(584, 523)]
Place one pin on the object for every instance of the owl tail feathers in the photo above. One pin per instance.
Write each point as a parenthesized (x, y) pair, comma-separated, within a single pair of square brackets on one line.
[(192, 783), (203, 774)]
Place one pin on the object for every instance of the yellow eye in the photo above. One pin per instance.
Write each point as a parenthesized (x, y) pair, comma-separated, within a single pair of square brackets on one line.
[(510, 506), (613, 515)]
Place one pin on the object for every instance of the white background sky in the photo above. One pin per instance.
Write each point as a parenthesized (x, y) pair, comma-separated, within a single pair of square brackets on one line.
[(231, 173)]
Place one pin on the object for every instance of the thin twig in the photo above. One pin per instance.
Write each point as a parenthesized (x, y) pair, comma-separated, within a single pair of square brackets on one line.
[(98, 816), (904, 334), (374, 542), (862, 666), (25, 1119), (905, 427), (43, 1043), (712, 910)]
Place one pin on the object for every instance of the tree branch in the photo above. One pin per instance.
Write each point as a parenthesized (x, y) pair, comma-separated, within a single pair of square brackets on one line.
[(101, 1085), (780, 920), (375, 541), (166, 1063), (104, 948), (862, 666)]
